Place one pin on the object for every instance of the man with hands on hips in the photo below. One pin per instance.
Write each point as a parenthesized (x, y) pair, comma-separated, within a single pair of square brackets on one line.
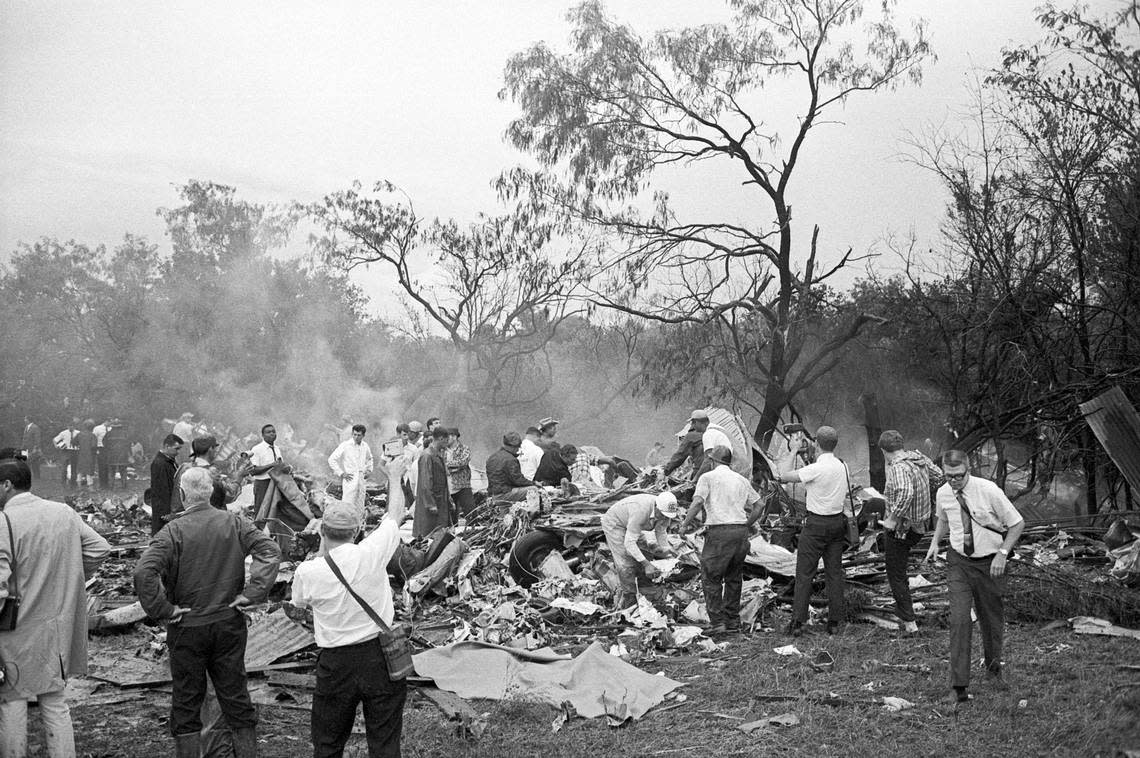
[(983, 527)]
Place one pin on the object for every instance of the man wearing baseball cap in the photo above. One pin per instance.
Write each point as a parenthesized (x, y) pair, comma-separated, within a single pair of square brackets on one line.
[(623, 524), (730, 506), (547, 429), (692, 447), (351, 668)]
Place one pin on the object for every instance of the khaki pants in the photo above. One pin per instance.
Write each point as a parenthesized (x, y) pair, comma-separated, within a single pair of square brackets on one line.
[(58, 734)]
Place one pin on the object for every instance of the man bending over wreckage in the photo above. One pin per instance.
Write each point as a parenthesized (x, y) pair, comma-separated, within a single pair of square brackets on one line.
[(623, 524)]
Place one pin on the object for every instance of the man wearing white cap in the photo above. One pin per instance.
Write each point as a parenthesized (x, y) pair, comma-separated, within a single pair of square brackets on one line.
[(351, 667), (731, 506), (623, 525)]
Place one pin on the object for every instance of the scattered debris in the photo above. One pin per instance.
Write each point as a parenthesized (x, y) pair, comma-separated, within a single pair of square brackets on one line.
[(896, 704), (1089, 625), (784, 719)]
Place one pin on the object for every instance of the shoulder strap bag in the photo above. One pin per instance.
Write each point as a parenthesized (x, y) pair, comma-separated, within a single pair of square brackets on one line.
[(852, 522), (11, 609), (393, 639)]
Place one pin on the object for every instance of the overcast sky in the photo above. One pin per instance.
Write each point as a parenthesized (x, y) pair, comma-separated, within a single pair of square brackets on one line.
[(105, 106)]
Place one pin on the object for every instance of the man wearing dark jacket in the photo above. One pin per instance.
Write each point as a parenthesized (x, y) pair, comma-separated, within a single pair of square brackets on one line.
[(555, 466), (691, 447), (433, 501), (162, 470), (505, 480), (192, 575)]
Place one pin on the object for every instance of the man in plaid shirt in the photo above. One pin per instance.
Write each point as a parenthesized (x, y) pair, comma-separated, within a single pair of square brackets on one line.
[(909, 478)]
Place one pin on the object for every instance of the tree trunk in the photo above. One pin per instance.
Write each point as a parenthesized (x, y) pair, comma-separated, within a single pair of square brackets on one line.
[(1088, 459), (769, 415), (876, 463)]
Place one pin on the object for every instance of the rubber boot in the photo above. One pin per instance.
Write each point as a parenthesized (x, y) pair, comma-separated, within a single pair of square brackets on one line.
[(245, 743), (187, 745)]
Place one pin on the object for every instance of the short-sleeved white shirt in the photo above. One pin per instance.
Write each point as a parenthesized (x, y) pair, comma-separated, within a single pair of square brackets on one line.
[(988, 505), (826, 484), (727, 496), (262, 454), (338, 619)]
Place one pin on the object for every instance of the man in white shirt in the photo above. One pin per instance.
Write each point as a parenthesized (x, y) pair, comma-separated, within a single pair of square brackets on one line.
[(623, 524), (411, 455), (66, 441), (183, 427), (730, 506), (530, 454), (826, 483), (351, 667), (100, 431), (352, 462), (983, 526), (262, 457)]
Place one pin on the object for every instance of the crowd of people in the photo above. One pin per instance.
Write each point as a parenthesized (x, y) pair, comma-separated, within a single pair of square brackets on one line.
[(193, 575)]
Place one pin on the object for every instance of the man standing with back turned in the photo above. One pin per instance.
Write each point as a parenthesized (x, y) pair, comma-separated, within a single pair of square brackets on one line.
[(192, 575), (983, 526), (824, 532), (351, 667)]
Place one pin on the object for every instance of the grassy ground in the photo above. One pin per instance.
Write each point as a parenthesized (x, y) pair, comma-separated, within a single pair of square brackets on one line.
[(1078, 701)]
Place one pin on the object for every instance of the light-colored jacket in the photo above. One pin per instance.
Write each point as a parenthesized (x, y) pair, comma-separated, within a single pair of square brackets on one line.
[(55, 552)]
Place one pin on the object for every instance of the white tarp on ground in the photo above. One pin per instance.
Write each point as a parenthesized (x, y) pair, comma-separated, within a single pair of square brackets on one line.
[(595, 682)]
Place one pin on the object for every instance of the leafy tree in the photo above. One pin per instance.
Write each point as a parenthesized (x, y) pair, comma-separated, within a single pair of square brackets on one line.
[(605, 119)]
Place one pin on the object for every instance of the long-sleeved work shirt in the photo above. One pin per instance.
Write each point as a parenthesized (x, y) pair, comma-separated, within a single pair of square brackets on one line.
[(197, 561), (458, 460), (692, 447), (351, 458), (635, 514), (504, 472), (907, 488)]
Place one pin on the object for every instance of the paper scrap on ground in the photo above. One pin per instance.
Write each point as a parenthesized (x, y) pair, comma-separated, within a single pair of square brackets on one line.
[(645, 615), (896, 704), (584, 607), (1090, 625), (918, 581), (784, 719), (787, 650), (595, 683)]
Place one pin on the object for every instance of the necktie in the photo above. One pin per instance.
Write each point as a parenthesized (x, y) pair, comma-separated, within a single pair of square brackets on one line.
[(967, 524)]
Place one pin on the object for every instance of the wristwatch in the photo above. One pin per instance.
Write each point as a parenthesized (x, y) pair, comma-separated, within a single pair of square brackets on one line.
[(1004, 552)]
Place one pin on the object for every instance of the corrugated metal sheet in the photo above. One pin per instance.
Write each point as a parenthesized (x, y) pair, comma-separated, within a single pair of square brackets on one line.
[(1117, 425), (274, 636)]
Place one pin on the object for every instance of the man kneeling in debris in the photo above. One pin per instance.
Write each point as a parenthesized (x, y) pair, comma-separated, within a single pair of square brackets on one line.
[(351, 667), (623, 524), (726, 497), (193, 576)]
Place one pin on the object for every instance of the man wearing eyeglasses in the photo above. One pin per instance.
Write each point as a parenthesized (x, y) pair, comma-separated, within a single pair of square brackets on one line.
[(983, 526)]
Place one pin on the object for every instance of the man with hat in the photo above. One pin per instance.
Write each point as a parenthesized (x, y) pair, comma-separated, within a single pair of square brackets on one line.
[(192, 576), (413, 449), (505, 480), (731, 507), (623, 525), (692, 446), (547, 429), (204, 453), (351, 667)]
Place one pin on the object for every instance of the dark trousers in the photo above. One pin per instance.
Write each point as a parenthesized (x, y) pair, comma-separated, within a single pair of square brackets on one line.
[(260, 486), (722, 571), (971, 585), (101, 467), (464, 501), (158, 514), (216, 649), (347, 676), (898, 554), (821, 536), (72, 464)]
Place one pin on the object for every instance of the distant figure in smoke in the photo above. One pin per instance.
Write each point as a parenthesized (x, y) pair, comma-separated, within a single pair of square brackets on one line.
[(31, 442), (352, 461), (433, 500), (184, 427), (116, 452), (65, 441), (88, 446), (548, 429), (458, 460), (100, 432), (656, 455), (530, 454), (411, 456)]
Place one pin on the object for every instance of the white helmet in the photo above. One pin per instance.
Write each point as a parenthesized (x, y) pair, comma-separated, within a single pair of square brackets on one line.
[(667, 504)]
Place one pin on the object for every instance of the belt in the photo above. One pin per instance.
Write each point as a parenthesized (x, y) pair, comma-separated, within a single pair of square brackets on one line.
[(714, 526), (824, 515)]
